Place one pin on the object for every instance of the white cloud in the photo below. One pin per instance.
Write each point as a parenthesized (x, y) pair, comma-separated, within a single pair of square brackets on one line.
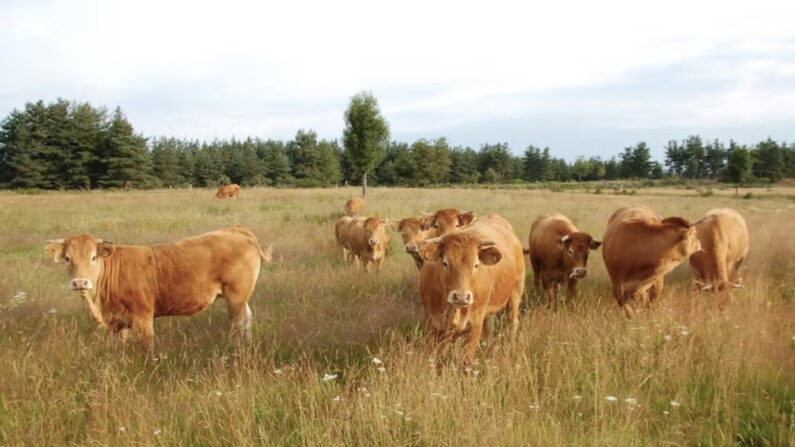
[(209, 69)]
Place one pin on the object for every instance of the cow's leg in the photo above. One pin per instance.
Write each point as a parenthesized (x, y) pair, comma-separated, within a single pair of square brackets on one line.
[(572, 289), (344, 255), (472, 342), (144, 331), (240, 317), (655, 291), (621, 299), (513, 310), (445, 341)]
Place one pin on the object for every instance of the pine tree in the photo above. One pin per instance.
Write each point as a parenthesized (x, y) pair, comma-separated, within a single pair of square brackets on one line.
[(125, 156)]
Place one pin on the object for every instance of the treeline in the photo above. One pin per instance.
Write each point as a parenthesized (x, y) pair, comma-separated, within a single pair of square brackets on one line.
[(71, 145)]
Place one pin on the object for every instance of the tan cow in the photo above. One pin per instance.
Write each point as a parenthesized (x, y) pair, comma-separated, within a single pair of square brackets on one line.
[(228, 191), (558, 253), (447, 220), (128, 286), (413, 230), (724, 246), (366, 238), (639, 248), (354, 206), (469, 275)]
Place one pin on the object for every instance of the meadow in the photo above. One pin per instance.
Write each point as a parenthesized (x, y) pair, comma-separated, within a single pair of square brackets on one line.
[(339, 358)]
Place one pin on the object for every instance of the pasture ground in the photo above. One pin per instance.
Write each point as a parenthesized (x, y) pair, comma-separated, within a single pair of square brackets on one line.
[(694, 371)]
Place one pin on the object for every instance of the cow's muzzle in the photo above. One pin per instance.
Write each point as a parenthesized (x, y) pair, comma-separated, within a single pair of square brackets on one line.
[(412, 248), (373, 242), (578, 273), (460, 299), (81, 284)]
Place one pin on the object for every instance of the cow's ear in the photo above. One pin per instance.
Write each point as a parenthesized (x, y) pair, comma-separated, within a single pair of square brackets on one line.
[(105, 249), (430, 250), (393, 225), (427, 222), (561, 242), (595, 244), (489, 255), (466, 218), (55, 250)]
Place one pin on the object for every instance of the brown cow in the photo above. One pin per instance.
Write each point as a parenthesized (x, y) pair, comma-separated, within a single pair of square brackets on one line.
[(469, 275), (639, 248), (228, 191), (365, 237), (128, 286), (447, 220), (558, 253), (724, 246), (413, 230), (354, 206)]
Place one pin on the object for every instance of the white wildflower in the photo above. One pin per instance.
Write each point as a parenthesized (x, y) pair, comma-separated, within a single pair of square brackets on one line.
[(377, 361), (157, 432), (277, 371), (328, 377), (631, 400), (122, 429), (665, 412), (381, 369), (667, 337), (611, 399), (534, 406), (674, 403), (218, 393), (684, 332), (52, 311), (337, 399), (577, 397)]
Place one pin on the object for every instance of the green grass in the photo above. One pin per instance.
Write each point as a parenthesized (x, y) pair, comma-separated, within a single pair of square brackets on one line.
[(729, 367)]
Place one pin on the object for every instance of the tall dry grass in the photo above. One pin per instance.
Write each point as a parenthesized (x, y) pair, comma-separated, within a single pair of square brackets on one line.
[(692, 372)]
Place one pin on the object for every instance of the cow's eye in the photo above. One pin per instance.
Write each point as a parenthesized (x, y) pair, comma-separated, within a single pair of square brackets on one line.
[(477, 264), (436, 225), (94, 258), (571, 252), (67, 258), (445, 264)]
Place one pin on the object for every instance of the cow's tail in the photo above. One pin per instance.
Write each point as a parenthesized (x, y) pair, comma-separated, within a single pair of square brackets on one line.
[(266, 256)]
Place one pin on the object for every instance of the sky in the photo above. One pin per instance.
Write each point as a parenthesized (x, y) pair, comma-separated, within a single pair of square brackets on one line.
[(583, 78)]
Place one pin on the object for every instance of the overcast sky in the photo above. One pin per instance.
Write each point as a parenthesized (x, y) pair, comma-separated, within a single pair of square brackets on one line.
[(588, 78)]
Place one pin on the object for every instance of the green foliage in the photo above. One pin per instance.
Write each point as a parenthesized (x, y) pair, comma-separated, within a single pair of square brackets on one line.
[(365, 135), (464, 166), (431, 162), (738, 170), (769, 161), (125, 156)]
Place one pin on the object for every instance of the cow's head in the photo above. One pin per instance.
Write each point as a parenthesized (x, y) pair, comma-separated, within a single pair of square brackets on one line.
[(575, 248), (462, 257), (685, 235), (82, 255), (450, 219), (413, 230), (377, 237)]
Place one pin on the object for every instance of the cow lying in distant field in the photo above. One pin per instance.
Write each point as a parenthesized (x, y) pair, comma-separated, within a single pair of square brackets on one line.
[(468, 276), (639, 248), (558, 253), (128, 286), (227, 191), (366, 238), (724, 246)]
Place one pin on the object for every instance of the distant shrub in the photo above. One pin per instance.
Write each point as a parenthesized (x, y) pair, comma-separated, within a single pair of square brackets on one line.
[(706, 192), (597, 190), (748, 195)]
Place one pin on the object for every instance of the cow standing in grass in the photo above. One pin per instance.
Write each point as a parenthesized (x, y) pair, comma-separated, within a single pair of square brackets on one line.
[(413, 230), (639, 248), (365, 238), (724, 246), (228, 191), (558, 253), (126, 286), (354, 207), (469, 275)]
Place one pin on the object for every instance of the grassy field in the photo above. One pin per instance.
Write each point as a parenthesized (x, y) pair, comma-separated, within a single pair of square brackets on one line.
[(692, 372)]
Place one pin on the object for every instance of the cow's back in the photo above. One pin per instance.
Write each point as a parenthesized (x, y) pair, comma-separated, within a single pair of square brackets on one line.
[(625, 244), (193, 271)]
